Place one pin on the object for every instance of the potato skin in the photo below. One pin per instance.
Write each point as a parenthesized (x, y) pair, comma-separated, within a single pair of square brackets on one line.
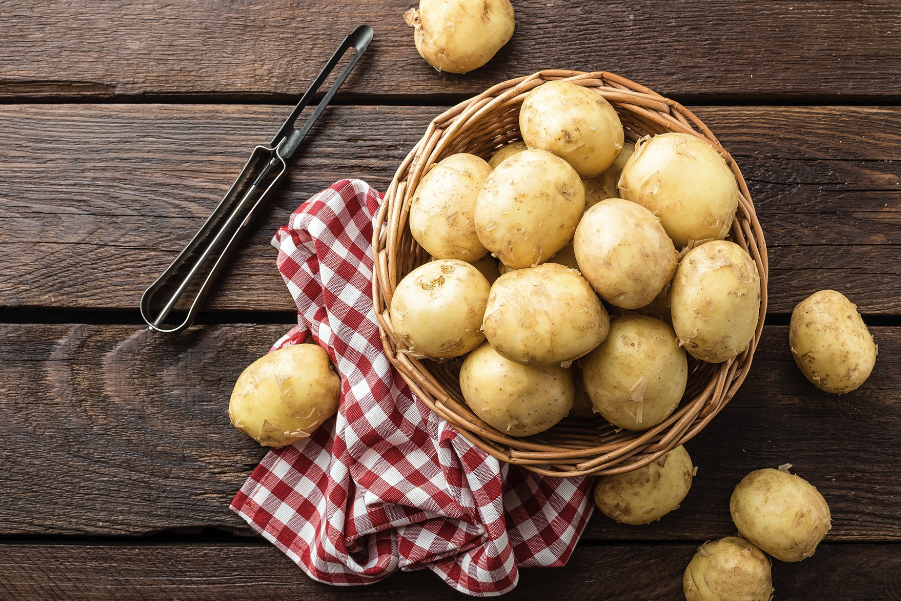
[(442, 210), (685, 182), (282, 397), (489, 267), (648, 493), (574, 123), (506, 152), (460, 35), (781, 513), (437, 309), (518, 400), (637, 376), (730, 569), (623, 251), (830, 342), (528, 208), (544, 315), (604, 186), (715, 301), (582, 406)]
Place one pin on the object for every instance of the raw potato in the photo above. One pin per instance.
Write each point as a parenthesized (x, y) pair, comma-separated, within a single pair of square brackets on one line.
[(566, 256), (683, 180), (623, 251), (437, 309), (528, 208), (637, 376), (604, 186), (573, 122), (715, 301), (730, 569), (442, 210), (648, 493), (781, 513), (544, 315), (518, 400), (506, 152), (460, 35), (283, 396), (830, 342)]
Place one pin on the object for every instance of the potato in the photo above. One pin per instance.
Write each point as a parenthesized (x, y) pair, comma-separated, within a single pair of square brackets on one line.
[(604, 186), (283, 396), (528, 208), (830, 342), (573, 122), (622, 250), (715, 301), (460, 35), (437, 309), (648, 493), (637, 376), (518, 400), (489, 267), (506, 152), (781, 513), (544, 315), (730, 569), (683, 180), (442, 210)]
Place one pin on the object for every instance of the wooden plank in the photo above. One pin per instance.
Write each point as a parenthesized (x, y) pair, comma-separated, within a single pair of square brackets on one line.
[(238, 572), (128, 185), (111, 430), (109, 48)]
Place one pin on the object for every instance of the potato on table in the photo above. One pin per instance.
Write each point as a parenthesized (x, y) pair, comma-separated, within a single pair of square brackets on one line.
[(282, 397), (442, 210), (437, 309), (573, 122), (830, 342), (544, 315), (781, 513), (637, 376), (715, 301), (518, 400), (730, 569), (685, 182), (648, 493), (460, 35), (529, 207)]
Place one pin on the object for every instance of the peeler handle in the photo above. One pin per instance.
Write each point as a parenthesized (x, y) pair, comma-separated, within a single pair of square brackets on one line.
[(262, 173)]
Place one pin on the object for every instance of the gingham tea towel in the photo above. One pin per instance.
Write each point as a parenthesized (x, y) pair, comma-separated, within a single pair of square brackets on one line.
[(387, 484)]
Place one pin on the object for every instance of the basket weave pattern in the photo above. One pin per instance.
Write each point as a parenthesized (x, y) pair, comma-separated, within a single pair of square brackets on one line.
[(573, 447)]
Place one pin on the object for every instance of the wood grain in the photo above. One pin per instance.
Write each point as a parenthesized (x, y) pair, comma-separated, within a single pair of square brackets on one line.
[(250, 572), (111, 430), (128, 185), (221, 48)]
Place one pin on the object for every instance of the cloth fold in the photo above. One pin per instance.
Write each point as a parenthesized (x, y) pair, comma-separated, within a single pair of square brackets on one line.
[(386, 484)]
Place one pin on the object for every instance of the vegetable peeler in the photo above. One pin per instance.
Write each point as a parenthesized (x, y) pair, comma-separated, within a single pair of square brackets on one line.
[(264, 170)]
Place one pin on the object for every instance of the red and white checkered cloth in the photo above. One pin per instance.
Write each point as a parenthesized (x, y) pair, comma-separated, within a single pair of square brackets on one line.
[(387, 484)]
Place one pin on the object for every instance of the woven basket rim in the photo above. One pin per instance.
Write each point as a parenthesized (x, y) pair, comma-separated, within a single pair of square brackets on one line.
[(395, 253)]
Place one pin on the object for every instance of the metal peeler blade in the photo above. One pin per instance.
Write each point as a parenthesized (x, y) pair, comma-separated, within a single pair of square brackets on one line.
[(230, 220)]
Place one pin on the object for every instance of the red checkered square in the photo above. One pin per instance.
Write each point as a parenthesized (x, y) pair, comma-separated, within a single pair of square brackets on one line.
[(387, 484)]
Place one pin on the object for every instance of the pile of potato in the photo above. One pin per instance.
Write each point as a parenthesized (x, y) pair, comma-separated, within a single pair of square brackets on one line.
[(580, 224)]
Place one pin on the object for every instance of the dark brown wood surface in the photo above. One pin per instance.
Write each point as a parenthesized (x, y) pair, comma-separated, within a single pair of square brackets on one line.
[(128, 185), (123, 123), (130, 434), (218, 48), (613, 572)]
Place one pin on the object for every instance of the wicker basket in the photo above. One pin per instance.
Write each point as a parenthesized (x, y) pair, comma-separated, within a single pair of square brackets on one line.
[(573, 447)]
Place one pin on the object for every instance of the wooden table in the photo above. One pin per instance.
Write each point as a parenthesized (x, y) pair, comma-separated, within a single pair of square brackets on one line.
[(121, 126)]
